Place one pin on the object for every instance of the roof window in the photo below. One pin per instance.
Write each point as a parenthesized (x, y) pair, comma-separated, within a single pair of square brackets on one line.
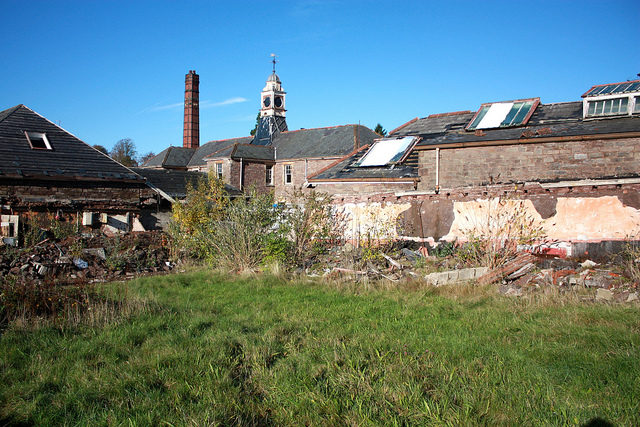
[(504, 114), (38, 141), (612, 99), (388, 150)]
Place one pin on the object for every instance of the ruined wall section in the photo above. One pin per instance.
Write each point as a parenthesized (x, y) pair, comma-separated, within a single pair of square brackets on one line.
[(545, 161), (20, 196)]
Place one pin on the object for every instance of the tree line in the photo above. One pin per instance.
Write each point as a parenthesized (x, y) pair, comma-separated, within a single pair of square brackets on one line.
[(124, 151)]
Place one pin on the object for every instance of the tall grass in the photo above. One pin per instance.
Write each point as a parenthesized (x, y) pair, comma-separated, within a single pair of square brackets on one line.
[(257, 350)]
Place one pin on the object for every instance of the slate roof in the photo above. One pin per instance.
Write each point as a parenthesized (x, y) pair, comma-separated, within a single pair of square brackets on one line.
[(172, 157), (548, 121), (345, 170), (175, 182), (172, 182), (214, 146), (334, 142), (69, 159)]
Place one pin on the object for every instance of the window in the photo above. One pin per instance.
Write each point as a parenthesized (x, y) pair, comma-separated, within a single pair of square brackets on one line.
[(612, 99), (218, 170), (504, 114), (608, 107), (288, 174), (387, 150), (269, 174), (38, 141)]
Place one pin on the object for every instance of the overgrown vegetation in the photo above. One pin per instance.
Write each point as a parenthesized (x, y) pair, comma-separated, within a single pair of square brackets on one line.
[(494, 232), (253, 230), (257, 350)]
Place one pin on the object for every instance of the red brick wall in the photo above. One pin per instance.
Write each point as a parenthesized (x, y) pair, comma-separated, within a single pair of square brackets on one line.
[(567, 160)]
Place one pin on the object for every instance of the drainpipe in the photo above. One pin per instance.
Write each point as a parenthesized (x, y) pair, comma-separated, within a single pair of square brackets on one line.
[(437, 170), (306, 163), (241, 173)]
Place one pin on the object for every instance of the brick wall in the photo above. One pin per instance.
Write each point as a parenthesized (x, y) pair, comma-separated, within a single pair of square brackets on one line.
[(362, 190), (299, 177), (567, 160)]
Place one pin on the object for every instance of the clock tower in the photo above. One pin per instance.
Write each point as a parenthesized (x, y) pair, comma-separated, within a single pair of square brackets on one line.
[(272, 109)]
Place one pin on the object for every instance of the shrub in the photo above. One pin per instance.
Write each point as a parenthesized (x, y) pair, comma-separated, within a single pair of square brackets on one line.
[(192, 220), (499, 226), (312, 224)]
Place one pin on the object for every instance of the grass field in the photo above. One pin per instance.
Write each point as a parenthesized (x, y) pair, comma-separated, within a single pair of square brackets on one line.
[(205, 349)]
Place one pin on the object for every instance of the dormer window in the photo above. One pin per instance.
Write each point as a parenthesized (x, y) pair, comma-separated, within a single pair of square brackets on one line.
[(38, 141), (614, 99), (504, 114)]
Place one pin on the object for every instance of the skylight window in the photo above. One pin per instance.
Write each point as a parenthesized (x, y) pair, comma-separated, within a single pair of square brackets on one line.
[(388, 150), (38, 141), (504, 114)]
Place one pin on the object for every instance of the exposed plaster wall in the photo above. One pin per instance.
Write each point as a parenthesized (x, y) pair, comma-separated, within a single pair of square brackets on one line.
[(588, 214)]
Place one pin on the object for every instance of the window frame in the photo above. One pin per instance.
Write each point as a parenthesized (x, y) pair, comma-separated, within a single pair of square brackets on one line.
[(39, 135), (632, 107), (285, 174), (219, 169), (268, 175)]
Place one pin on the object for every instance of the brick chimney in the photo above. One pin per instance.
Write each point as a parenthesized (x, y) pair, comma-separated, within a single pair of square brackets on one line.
[(191, 130)]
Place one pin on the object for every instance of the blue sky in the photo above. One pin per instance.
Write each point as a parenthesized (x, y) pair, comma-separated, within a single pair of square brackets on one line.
[(106, 70)]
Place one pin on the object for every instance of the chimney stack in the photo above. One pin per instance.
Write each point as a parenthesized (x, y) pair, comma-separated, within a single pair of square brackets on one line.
[(191, 130)]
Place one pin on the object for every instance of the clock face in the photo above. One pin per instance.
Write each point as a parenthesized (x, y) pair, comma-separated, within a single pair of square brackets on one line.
[(278, 101), (267, 101)]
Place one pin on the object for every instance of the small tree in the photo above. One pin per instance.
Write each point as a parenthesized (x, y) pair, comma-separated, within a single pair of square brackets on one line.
[(124, 151), (255, 128), (380, 130)]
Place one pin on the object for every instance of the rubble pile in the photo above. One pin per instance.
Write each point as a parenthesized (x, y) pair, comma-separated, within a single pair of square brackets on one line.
[(87, 259), (525, 272)]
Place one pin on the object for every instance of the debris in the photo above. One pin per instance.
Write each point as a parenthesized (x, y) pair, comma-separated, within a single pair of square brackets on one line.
[(80, 263), (604, 295), (588, 264), (455, 276), (632, 297), (391, 261), (521, 271), (515, 264)]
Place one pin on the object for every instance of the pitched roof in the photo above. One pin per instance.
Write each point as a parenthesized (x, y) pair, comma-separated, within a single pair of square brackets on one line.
[(346, 169), (548, 121), (334, 142), (175, 182), (69, 159), (171, 157), (214, 146)]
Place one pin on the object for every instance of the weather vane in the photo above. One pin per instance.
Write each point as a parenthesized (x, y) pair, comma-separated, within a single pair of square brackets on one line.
[(273, 55)]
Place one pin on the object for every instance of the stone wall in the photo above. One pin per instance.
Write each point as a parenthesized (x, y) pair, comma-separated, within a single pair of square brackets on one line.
[(546, 161)]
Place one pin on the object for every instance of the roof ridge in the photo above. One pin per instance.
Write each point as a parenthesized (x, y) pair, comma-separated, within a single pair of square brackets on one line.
[(404, 125), (453, 113), (323, 127), (226, 139)]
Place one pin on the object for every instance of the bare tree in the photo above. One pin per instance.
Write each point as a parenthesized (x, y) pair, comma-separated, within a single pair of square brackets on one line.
[(124, 151), (144, 159)]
